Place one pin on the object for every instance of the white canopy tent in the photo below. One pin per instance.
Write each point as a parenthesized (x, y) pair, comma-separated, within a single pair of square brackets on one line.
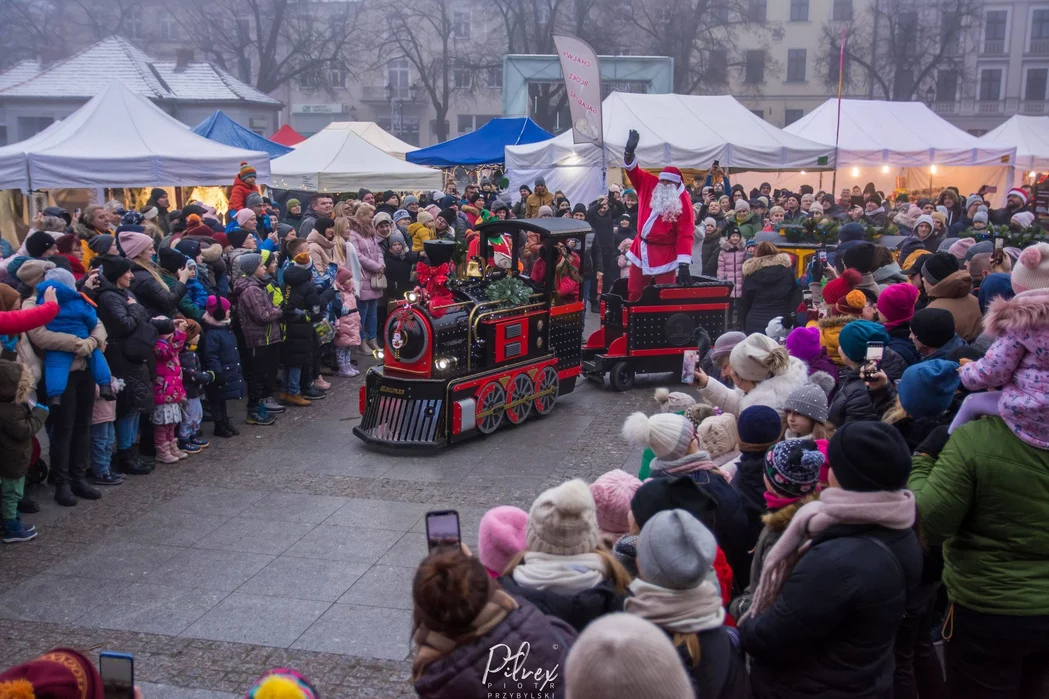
[(1030, 136), (337, 159), (687, 131), (377, 136), (890, 143), (119, 139)]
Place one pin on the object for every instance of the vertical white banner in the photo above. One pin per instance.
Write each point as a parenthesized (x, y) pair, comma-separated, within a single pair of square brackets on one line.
[(583, 85)]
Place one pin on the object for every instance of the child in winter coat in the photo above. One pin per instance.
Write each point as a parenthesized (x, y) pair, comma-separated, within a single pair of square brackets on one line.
[(622, 261), (400, 264), (243, 185), (218, 351), (19, 421), (348, 325), (104, 437), (303, 307), (168, 390), (806, 414), (730, 261), (76, 316), (195, 379), (804, 343)]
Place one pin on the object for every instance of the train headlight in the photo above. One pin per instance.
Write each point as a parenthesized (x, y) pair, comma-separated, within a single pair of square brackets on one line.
[(379, 354), (411, 296), (444, 363)]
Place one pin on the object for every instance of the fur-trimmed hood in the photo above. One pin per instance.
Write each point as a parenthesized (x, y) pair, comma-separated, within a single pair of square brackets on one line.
[(838, 321), (726, 246), (752, 265), (1025, 311), (779, 520), (955, 286), (774, 391)]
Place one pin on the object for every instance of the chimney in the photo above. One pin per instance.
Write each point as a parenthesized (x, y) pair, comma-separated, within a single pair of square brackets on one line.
[(183, 57)]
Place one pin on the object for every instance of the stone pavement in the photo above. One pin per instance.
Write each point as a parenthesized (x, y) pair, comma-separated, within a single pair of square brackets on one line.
[(290, 545)]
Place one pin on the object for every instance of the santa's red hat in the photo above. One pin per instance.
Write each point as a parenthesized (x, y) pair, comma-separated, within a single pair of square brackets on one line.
[(1017, 192), (671, 173)]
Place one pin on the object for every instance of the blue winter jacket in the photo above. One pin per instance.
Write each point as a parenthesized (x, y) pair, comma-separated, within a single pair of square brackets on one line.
[(76, 315)]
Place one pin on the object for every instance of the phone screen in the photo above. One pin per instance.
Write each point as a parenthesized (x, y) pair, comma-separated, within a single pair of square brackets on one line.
[(118, 675), (823, 255), (999, 243), (875, 350), (442, 529)]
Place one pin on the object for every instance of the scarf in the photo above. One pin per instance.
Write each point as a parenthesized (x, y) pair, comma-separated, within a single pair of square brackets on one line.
[(700, 461), (892, 509), (433, 645), (775, 501), (563, 575), (679, 611)]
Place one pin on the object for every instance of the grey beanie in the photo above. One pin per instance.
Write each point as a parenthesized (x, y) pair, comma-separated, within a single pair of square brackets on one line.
[(808, 400), (675, 551), (253, 199), (60, 276), (540, 181), (981, 215), (248, 263), (409, 200)]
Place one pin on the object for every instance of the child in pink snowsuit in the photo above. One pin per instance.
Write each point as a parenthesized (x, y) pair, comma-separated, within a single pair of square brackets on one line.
[(348, 326), (168, 391)]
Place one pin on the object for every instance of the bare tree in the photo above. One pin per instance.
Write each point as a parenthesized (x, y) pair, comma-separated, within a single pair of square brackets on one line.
[(899, 49), (24, 29)]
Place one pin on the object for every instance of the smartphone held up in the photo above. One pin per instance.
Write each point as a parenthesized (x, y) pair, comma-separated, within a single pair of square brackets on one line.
[(118, 675), (442, 529)]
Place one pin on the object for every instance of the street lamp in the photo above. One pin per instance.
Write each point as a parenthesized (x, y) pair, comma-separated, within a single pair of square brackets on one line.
[(413, 92), (930, 95)]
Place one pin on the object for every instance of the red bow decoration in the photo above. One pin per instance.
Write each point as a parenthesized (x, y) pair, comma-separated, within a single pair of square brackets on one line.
[(433, 286)]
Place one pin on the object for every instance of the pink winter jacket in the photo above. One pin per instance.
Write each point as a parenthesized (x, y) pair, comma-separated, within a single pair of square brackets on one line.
[(348, 326), (730, 265), (1018, 361), (167, 387), (370, 255)]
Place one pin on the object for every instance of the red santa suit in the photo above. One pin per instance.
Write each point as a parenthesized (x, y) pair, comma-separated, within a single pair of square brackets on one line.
[(660, 245)]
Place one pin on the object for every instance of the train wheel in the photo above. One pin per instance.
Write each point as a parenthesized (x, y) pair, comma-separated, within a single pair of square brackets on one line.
[(491, 404), (621, 377), (545, 390), (519, 399)]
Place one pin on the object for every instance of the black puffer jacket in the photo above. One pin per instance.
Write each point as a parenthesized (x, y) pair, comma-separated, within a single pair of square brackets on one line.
[(152, 294), (577, 610), (769, 290), (832, 629), (129, 347), (749, 482), (854, 401), (218, 351), (303, 307), (722, 670)]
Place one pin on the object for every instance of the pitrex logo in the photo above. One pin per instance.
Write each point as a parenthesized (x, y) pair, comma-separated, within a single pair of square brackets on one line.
[(503, 660)]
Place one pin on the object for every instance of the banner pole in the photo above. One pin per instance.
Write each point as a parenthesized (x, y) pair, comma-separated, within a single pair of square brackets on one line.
[(837, 129)]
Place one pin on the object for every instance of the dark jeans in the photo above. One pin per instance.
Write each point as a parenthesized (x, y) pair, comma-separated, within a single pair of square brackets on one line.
[(610, 269), (918, 670), (991, 656), (71, 429), (261, 365), (218, 407)]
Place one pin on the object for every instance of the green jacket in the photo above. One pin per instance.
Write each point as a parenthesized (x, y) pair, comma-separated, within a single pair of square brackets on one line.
[(749, 228), (987, 500)]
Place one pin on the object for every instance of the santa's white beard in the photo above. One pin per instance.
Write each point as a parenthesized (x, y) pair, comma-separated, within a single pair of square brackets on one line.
[(666, 202)]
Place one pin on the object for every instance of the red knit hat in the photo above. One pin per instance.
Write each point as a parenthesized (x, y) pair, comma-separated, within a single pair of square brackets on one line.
[(896, 304), (59, 674), (835, 289)]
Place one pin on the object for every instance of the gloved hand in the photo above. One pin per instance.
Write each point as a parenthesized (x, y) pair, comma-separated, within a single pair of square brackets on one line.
[(935, 442), (631, 145), (684, 276), (83, 348)]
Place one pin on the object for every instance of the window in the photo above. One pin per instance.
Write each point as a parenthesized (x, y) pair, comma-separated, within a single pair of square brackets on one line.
[(494, 77), (799, 10), (757, 10), (793, 115), (842, 11), (337, 77), (907, 40), (398, 74), (133, 22), (946, 86), (1034, 88), (994, 25), (31, 126), (990, 85), (759, 113), (461, 25), (465, 123), (717, 66), (3, 135), (1039, 31), (168, 26), (433, 127), (719, 13), (462, 77), (796, 65), (755, 70)]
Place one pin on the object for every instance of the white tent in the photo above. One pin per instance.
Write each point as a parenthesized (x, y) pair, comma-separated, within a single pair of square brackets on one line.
[(119, 139), (576, 170), (898, 143), (336, 159), (1030, 136), (376, 135)]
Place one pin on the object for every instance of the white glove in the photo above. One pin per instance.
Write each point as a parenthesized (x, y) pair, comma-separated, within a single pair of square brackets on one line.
[(775, 329)]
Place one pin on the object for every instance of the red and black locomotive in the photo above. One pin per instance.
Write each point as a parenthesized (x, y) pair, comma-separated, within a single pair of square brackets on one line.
[(458, 363)]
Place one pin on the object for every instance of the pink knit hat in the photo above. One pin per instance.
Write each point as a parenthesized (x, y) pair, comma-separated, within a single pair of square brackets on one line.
[(133, 244), (1031, 270), (896, 304), (243, 216), (612, 493), (804, 343), (961, 246), (501, 537)]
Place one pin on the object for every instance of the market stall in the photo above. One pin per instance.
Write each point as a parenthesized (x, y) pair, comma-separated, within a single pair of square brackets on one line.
[(485, 146), (377, 136), (1030, 136), (287, 136), (220, 128)]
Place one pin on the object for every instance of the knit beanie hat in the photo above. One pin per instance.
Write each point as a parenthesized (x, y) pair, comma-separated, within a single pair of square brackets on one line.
[(659, 494), (758, 426), (758, 357), (400, 215), (981, 215), (933, 327), (545, 210), (673, 401), (927, 389), (217, 307), (114, 267), (977, 248), (939, 266), (804, 343), (246, 171), (32, 272), (38, 243), (939, 216), (835, 289), (409, 200), (868, 456), (254, 199), (718, 437), (668, 435), (612, 493), (133, 244), (993, 286), (501, 537), (237, 237), (101, 244), (291, 203), (1031, 270), (860, 257), (853, 338), (675, 551), (622, 656), (851, 304), (793, 467), (896, 303), (724, 344), (170, 260), (381, 217), (563, 521), (60, 276), (303, 259), (1023, 218), (809, 400), (248, 263), (189, 248), (222, 239), (65, 244), (282, 683), (851, 231), (243, 216), (961, 246)]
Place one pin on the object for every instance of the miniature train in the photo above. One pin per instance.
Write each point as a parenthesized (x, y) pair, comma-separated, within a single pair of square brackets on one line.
[(465, 365)]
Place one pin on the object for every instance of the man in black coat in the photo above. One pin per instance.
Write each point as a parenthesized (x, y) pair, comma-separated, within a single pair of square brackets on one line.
[(601, 219)]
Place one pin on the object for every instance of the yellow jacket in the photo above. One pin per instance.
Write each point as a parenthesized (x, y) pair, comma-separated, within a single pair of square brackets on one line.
[(420, 233)]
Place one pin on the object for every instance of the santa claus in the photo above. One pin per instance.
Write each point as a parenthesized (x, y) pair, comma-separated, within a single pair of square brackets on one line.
[(665, 226)]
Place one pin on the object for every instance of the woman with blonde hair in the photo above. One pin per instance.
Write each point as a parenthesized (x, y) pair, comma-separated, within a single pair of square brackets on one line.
[(147, 284), (345, 253), (373, 266)]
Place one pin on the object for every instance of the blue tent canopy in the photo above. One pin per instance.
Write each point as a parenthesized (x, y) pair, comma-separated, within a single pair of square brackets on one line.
[(219, 127), (483, 146)]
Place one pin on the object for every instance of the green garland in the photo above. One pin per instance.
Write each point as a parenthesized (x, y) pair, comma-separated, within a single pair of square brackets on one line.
[(1013, 239), (511, 290)]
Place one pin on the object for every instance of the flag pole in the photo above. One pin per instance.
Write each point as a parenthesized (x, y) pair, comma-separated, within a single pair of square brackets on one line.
[(837, 129)]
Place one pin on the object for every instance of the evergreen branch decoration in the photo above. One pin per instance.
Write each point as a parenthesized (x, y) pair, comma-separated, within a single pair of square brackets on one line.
[(510, 290)]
